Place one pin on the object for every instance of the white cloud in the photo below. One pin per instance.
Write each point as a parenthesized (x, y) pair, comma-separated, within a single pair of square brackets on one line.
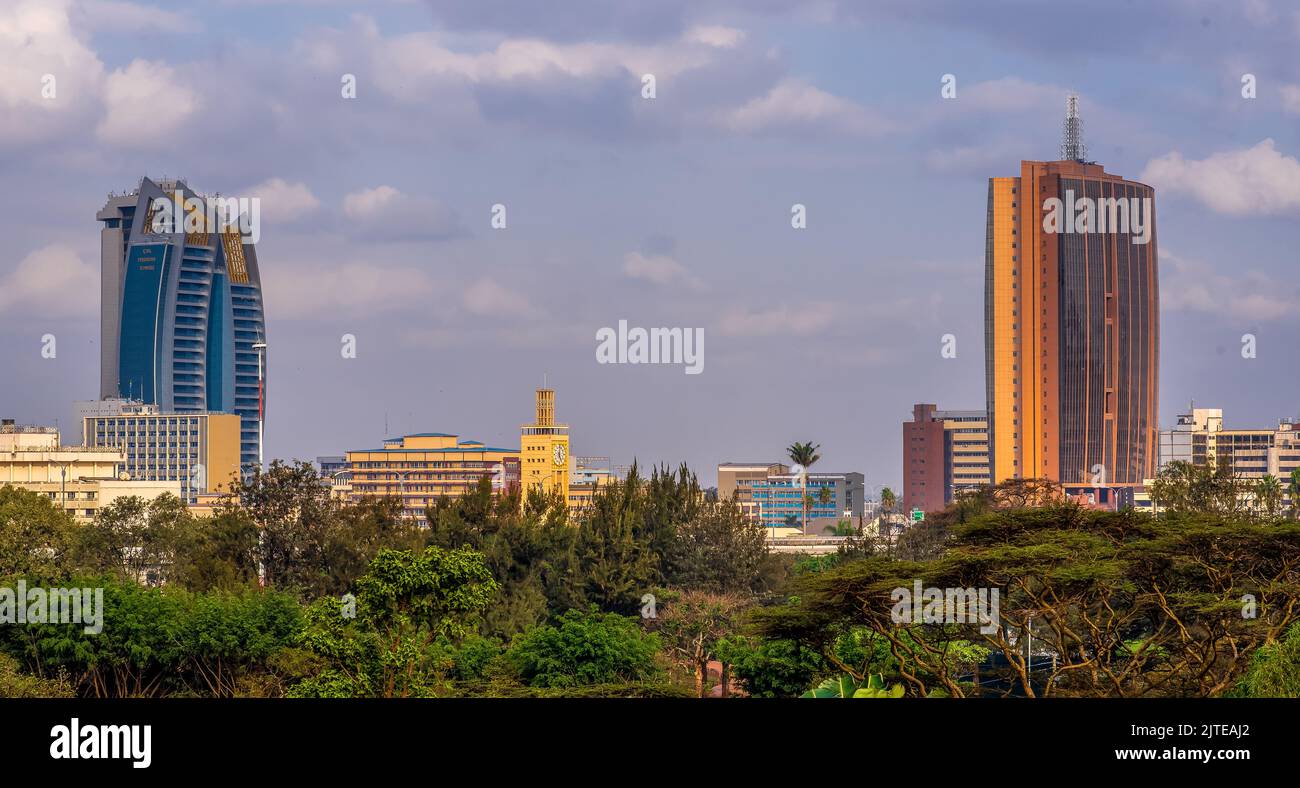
[(486, 297), (351, 288), (121, 16), (37, 40), (805, 320), (659, 269), (1194, 286), (715, 36), (52, 282), (370, 203), (793, 104), (386, 213), (283, 201), (1256, 181), (146, 103)]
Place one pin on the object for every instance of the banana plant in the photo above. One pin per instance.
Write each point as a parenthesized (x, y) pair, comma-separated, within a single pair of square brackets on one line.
[(848, 687)]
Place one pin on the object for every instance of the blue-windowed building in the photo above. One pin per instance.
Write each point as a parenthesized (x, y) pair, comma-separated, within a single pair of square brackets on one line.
[(781, 496), (182, 324)]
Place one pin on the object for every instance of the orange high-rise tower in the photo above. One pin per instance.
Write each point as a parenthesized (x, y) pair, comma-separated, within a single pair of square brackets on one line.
[(1071, 323)]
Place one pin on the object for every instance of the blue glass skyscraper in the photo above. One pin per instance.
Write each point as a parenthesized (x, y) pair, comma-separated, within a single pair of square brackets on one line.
[(181, 315)]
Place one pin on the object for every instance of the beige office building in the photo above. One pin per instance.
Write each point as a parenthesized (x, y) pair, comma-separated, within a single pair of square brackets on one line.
[(199, 451), (738, 478), (79, 479)]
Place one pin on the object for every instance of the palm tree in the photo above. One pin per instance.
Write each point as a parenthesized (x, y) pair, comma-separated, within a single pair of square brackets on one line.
[(1293, 489), (803, 455), (887, 500), (1268, 493)]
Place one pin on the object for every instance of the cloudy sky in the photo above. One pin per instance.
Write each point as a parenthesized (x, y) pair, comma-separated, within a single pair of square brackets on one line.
[(671, 211)]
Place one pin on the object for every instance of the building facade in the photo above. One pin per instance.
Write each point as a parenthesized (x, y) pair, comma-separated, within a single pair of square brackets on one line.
[(181, 313), (420, 469), (1200, 438), (738, 478), (78, 479), (1071, 324), (780, 496), (198, 451), (945, 453)]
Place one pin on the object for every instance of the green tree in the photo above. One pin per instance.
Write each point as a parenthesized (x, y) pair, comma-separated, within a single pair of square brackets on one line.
[(693, 624), (136, 539), (35, 535), (616, 566), (1131, 605), (770, 668), (1275, 669), (1268, 494), (1183, 487), (404, 605), (718, 550), (585, 648)]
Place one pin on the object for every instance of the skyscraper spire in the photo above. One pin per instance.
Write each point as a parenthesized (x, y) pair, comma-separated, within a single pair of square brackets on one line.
[(1072, 147)]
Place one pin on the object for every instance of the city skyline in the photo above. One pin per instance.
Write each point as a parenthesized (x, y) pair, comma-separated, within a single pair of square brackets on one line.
[(672, 211)]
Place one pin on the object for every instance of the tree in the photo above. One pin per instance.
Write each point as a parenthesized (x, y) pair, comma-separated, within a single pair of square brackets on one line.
[(1131, 605), (693, 624), (585, 648), (718, 550), (887, 501), (769, 668), (35, 535), (1275, 669), (616, 567), (804, 455), (405, 603), (1268, 495), (1183, 487), (136, 539)]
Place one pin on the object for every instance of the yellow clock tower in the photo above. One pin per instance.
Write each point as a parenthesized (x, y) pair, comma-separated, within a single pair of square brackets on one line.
[(544, 450)]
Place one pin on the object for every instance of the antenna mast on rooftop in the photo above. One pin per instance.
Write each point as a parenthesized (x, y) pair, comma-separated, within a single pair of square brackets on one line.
[(1072, 147)]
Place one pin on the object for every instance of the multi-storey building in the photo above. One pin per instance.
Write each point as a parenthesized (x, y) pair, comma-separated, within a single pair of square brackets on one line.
[(1200, 438), (200, 451), (834, 496), (738, 478), (181, 313), (419, 469), (1071, 323), (78, 479), (945, 453)]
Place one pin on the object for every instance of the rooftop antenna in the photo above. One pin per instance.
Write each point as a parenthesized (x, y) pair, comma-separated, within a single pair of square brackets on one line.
[(1072, 147)]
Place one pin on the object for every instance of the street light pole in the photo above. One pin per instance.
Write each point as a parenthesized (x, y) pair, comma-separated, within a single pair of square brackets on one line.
[(260, 347)]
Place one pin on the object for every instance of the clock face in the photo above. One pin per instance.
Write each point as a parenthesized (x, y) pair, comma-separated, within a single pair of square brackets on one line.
[(559, 453)]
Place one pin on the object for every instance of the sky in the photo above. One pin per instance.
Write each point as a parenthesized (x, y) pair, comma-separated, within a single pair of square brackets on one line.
[(666, 211)]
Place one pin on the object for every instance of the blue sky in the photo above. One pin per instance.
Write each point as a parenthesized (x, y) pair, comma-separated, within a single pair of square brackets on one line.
[(673, 211)]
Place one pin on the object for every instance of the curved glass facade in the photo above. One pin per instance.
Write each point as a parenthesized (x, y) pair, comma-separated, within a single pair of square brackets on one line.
[(180, 314)]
